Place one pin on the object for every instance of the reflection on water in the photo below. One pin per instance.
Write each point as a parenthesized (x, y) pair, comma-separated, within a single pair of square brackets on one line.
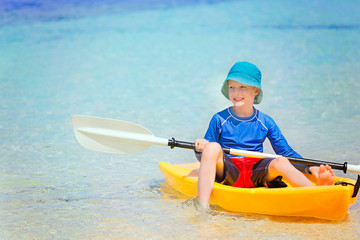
[(218, 223)]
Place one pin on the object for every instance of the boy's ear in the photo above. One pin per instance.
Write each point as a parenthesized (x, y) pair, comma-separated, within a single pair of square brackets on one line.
[(257, 91)]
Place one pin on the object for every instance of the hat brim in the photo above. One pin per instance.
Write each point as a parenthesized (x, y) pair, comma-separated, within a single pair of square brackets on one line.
[(243, 79)]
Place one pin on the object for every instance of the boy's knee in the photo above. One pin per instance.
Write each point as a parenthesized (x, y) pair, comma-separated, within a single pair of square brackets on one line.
[(212, 149), (279, 162)]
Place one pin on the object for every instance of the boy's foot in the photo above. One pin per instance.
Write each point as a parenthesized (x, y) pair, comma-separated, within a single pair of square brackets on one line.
[(195, 204), (326, 176)]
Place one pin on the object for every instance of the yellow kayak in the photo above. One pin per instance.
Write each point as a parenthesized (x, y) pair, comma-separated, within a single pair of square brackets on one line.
[(326, 202)]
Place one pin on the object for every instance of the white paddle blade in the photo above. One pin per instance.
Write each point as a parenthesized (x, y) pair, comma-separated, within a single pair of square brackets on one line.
[(113, 136)]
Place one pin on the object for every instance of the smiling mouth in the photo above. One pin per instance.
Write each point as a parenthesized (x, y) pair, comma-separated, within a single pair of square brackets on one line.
[(238, 99)]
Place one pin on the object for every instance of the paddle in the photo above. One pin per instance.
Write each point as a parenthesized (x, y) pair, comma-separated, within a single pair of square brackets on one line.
[(116, 136)]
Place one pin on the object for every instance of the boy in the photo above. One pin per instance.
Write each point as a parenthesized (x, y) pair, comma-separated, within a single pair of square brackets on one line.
[(244, 127)]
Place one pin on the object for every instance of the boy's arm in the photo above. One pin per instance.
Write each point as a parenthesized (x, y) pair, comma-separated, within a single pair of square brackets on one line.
[(281, 147)]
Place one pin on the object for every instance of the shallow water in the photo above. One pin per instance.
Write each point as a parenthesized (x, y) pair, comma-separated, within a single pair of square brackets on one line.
[(161, 65)]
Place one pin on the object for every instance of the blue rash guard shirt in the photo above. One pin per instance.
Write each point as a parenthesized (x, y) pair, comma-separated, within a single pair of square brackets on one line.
[(249, 133)]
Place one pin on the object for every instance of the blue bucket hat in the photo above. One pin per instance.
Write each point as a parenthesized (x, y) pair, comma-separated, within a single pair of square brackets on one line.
[(245, 73)]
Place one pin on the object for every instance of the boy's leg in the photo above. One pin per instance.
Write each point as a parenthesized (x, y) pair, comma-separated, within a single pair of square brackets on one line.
[(212, 164), (282, 167)]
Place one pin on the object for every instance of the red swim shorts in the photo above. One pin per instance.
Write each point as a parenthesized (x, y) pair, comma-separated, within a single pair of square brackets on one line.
[(245, 172)]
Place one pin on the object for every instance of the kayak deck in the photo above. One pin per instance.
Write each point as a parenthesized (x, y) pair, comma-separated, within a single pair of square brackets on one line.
[(326, 202)]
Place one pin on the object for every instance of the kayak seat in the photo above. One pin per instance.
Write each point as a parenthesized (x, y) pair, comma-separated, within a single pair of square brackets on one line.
[(277, 183)]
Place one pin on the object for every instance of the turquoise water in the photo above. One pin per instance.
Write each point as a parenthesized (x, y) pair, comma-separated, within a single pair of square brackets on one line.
[(161, 65)]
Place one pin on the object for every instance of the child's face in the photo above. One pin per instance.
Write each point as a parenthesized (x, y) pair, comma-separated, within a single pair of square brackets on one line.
[(241, 94)]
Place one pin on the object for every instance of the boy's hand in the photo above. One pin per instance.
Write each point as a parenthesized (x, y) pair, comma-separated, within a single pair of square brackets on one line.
[(200, 144)]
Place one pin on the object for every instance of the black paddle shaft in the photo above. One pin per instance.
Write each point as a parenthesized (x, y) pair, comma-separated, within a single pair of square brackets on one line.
[(175, 143), (311, 162)]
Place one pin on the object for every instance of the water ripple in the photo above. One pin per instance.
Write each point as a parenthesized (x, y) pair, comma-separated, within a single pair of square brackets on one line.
[(313, 27)]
